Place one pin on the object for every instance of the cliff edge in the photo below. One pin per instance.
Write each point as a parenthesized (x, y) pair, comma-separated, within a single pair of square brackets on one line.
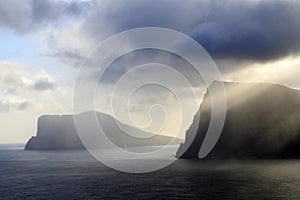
[(262, 121)]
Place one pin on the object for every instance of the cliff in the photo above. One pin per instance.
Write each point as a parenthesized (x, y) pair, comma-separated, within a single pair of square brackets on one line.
[(262, 121), (55, 132)]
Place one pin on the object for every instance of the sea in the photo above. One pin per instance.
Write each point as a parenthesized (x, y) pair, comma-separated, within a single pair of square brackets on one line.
[(77, 175)]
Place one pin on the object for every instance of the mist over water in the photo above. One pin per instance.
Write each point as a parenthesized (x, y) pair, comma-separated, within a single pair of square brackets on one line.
[(76, 175)]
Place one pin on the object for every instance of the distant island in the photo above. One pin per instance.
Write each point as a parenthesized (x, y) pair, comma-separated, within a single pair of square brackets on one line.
[(262, 121), (58, 132)]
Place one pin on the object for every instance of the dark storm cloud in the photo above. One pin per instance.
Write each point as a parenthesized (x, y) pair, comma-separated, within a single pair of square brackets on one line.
[(251, 30), (112, 17), (228, 29), (27, 15)]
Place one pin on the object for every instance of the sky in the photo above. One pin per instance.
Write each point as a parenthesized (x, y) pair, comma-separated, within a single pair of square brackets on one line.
[(44, 43)]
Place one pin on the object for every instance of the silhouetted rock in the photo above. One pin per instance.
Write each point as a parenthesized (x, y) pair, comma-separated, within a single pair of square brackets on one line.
[(56, 132), (262, 121)]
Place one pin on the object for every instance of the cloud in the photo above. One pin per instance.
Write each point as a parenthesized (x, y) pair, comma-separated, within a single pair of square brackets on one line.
[(43, 84), (51, 10), (255, 30), (23, 105), (247, 31), (21, 90), (12, 83), (24, 89), (107, 18), (15, 81), (129, 61), (12, 104), (27, 15), (4, 106), (230, 29), (72, 57)]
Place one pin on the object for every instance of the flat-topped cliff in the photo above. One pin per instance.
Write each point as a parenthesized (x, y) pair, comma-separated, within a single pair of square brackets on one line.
[(58, 132)]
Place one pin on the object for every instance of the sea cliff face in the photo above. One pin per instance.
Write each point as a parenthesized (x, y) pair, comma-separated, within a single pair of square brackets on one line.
[(55, 133), (58, 132), (262, 121)]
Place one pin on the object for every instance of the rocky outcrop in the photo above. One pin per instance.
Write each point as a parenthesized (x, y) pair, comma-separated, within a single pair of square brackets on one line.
[(262, 121), (55, 132)]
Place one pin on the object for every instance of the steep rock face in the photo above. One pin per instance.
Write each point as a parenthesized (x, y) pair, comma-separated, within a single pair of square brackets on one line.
[(59, 133), (262, 121), (55, 133)]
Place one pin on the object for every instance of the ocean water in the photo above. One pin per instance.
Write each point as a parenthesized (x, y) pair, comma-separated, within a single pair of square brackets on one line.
[(76, 175)]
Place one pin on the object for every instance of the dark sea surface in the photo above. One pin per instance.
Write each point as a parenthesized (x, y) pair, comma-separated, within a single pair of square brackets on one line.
[(76, 175)]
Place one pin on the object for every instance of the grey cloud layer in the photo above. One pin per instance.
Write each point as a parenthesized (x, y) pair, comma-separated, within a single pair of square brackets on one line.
[(140, 57), (254, 30), (251, 30)]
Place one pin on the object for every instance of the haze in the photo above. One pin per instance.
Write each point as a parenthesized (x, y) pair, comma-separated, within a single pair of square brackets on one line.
[(43, 44)]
